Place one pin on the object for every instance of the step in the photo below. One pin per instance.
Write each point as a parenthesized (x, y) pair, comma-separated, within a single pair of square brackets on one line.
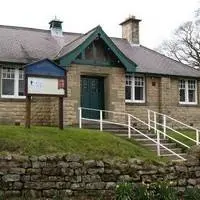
[(116, 131), (173, 157), (138, 136), (105, 126), (153, 146), (147, 141), (165, 151), (121, 134)]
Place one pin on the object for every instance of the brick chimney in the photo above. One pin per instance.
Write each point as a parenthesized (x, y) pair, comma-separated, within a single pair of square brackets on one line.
[(130, 30)]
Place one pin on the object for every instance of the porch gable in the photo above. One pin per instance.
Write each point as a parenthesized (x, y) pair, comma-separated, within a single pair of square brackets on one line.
[(70, 52)]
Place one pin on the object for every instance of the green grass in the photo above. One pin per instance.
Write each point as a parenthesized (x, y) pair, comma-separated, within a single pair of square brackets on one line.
[(51, 140), (189, 133)]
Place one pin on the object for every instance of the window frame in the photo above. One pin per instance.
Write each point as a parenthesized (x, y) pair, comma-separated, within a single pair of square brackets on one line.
[(133, 85), (16, 83), (186, 102)]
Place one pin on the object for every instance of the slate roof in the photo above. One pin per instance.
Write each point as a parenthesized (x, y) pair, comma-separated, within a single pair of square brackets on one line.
[(25, 45), (75, 43), (152, 62)]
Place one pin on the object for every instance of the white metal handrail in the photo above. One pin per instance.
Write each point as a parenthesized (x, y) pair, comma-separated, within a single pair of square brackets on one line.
[(185, 136), (165, 127), (128, 124)]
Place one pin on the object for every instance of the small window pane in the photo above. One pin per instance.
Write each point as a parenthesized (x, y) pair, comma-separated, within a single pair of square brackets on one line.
[(182, 95), (182, 84), (139, 81), (21, 88), (139, 93), (128, 93), (128, 80), (191, 95), (8, 86), (191, 84)]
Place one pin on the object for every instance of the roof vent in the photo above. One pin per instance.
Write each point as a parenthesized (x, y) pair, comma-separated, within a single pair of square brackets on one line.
[(56, 27)]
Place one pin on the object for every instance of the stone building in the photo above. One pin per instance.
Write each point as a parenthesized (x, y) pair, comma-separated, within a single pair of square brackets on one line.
[(117, 74)]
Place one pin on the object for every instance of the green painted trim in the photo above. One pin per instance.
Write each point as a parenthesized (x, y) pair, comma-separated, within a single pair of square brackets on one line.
[(67, 59), (95, 63)]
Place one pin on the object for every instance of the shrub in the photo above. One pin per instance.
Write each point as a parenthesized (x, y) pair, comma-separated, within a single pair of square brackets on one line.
[(155, 191), (192, 194), (124, 191), (163, 191)]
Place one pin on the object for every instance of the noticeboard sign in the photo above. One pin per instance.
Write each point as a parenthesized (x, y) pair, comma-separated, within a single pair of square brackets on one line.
[(45, 86), (45, 77)]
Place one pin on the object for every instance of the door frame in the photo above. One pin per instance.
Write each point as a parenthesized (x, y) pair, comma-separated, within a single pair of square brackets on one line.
[(101, 80)]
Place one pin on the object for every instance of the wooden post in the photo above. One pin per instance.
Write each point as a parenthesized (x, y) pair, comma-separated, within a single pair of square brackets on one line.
[(61, 113), (28, 111)]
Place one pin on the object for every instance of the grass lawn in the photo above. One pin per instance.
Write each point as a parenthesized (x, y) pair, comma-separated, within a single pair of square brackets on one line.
[(189, 133), (51, 140)]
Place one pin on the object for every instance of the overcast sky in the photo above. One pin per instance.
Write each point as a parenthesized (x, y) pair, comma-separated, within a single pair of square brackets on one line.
[(159, 17)]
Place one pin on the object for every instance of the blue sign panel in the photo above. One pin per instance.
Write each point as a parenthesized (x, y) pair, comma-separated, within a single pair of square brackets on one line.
[(44, 67)]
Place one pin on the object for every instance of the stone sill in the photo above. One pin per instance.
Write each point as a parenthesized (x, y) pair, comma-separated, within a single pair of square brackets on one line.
[(189, 105), (12, 100), (136, 104)]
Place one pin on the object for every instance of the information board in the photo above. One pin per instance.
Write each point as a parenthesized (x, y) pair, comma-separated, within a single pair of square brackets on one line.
[(45, 86)]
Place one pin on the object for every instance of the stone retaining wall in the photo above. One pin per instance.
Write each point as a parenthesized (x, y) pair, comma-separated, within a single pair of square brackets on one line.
[(47, 177)]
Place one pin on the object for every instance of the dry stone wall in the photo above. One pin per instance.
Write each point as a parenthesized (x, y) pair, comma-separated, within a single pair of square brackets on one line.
[(70, 177)]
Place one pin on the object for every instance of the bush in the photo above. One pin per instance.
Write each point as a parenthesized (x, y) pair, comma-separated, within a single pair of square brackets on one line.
[(124, 191), (155, 191), (191, 194), (163, 191)]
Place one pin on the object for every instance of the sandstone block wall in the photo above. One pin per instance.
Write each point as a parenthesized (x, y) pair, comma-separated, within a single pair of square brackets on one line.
[(162, 95), (13, 110), (152, 98), (114, 84), (69, 176)]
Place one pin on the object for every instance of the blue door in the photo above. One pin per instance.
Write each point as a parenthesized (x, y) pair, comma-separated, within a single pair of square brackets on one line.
[(92, 95)]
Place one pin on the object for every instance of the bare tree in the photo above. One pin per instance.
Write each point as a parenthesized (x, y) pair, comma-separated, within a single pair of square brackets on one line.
[(185, 43)]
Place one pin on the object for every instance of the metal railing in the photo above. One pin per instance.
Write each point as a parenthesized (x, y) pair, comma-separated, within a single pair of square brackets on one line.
[(125, 120), (165, 124)]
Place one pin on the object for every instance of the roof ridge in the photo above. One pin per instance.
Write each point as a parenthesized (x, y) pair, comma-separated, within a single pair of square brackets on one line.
[(34, 29), (76, 39), (167, 57)]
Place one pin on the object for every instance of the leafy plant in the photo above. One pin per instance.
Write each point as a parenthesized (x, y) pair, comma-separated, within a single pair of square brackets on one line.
[(192, 194), (163, 191), (142, 192), (124, 191)]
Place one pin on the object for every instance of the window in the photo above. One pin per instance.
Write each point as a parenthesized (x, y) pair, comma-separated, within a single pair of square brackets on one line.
[(135, 89), (12, 82), (188, 92)]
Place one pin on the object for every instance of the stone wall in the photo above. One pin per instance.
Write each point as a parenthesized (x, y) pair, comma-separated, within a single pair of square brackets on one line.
[(14, 110), (152, 99), (162, 95), (189, 114), (45, 177)]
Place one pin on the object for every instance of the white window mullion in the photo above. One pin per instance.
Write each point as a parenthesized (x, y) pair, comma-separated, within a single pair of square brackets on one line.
[(144, 89), (16, 83), (190, 91), (133, 89), (196, 86), (186, 92), (136, 91)]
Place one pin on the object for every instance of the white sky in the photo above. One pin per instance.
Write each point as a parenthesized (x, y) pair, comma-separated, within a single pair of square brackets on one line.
[(159, 17)]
